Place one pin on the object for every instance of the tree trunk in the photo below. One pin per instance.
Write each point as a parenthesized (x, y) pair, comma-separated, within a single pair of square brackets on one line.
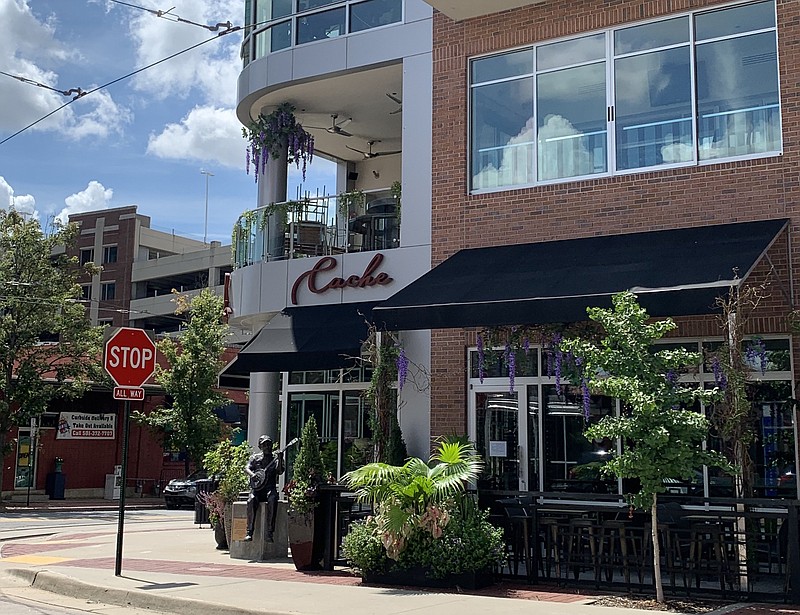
[(656, 551)]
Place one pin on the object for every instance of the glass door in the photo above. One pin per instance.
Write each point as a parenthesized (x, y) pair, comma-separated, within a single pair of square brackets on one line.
[(26, 460), (497, 415)]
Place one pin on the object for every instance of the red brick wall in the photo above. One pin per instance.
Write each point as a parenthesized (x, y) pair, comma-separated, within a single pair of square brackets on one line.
[(653, 200)]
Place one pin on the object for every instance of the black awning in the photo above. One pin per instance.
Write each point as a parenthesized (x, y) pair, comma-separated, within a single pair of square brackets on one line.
[(674, 273), (305, 338)]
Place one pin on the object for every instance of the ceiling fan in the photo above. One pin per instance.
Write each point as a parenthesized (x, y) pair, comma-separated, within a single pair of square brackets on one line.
[(369, 153), (394, 98), (336, 127)]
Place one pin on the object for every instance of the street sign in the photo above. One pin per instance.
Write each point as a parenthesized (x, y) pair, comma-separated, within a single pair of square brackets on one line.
[(136, 393), (130, 357)]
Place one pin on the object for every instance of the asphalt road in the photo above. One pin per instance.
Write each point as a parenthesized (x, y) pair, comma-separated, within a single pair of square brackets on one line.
[(13, 523)]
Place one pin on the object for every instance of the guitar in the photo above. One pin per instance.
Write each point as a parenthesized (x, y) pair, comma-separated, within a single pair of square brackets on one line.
[(258, 479)]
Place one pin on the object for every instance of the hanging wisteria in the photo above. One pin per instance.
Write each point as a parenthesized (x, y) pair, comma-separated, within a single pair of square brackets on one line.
[(268, 133), (756, 354), (402, 368)]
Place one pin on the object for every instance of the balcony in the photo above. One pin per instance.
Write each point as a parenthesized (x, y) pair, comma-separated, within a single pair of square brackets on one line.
[(319, 226)]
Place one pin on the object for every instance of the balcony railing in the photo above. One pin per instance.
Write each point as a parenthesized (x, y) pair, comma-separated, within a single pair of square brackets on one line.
[(317, 226)]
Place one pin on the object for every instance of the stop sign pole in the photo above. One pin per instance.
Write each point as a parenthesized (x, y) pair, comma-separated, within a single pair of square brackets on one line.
[(130, 359)]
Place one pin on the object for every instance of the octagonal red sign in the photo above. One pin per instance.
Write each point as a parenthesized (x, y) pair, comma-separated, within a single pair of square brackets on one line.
[(130, 357)]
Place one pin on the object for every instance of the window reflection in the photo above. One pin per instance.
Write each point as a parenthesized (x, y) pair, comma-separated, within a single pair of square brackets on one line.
[(572, 462), (374, 13), (320, 26)]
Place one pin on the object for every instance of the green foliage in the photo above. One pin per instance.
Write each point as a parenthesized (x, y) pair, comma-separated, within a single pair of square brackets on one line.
[(467, 543), (396, 451), (194, 362), (383, 353), (352, 202), (416, 494), (309, 471), (663, 440), (44, 329), (227, 462)]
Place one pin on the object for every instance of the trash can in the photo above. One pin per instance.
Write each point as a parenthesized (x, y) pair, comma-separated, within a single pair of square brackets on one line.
[(205, 485)]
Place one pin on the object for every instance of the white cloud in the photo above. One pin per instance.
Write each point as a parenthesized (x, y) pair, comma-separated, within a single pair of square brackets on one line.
[(105, 119), (93, 198), (210, 70), (23, 203), (207, 134), (29, 48)]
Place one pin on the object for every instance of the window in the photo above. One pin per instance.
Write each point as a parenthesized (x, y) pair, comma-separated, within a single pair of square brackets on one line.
[(320, 26), (374, 13), (677, 91), (105, 322), (87, 256), (108, 291), (110, 254), (86, 291)]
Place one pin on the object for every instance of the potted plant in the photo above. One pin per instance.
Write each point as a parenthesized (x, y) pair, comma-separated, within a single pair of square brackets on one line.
[(216, 511), (268, 134), (426, 529), (306, 537), (227, 461)]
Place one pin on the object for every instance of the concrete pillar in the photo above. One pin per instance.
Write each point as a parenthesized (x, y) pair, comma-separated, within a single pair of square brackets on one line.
[(264, 407)]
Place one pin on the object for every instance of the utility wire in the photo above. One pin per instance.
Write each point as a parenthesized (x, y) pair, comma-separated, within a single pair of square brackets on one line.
[(110, 83), (77, 91), (169, 16)]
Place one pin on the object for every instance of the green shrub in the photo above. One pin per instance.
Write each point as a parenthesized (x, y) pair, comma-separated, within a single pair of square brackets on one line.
[(468, 543)]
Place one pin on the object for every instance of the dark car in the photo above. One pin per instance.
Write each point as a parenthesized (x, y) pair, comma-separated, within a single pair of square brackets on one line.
[(182, 491)]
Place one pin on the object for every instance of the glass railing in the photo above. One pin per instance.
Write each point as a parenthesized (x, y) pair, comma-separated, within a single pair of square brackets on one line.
[(317, 226), (281, 24)]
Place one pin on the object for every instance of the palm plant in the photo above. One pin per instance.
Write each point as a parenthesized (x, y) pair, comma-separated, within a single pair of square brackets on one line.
[(417, 495)]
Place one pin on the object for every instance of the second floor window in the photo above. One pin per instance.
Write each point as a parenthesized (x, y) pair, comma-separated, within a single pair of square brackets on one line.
[(110, 254), (108, 291), (87, 256), (682, 90), (86, 292)]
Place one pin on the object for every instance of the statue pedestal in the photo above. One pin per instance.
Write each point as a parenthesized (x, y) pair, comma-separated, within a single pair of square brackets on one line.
[(259, 549)]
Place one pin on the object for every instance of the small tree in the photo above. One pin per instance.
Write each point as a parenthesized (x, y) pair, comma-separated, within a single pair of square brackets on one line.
[(227, 462), (662, 439), (308, 472), (194, 362), (44, 331)]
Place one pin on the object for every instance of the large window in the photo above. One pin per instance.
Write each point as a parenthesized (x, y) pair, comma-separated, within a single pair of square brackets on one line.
[(279, 24), (677, 91)]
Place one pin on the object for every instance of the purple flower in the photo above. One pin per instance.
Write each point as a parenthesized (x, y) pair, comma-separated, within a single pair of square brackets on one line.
[(247, 160), (556, 344), (719, 374), (671, 377), (511, 361), (756, 354), (587, 399), (526, 345), (549, 355), (402, 368), (481, 359)]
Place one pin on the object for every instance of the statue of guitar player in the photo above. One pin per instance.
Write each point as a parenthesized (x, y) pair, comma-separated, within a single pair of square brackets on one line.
[(263, 469)]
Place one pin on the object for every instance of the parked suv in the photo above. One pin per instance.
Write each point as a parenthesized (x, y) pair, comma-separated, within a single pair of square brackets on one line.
[(182, 491)]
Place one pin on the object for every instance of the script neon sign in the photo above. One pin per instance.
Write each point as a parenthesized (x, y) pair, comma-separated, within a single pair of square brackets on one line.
[(315, 281)]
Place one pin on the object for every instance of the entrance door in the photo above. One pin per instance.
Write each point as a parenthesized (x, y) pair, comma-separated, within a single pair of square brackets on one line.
[(497, 416), (26, 460)]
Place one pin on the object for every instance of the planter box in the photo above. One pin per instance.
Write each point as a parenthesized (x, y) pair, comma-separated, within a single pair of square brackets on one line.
[(306, 540), (418, 577)]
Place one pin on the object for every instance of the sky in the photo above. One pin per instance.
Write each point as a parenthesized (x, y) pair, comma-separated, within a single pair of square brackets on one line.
[(142, 141)]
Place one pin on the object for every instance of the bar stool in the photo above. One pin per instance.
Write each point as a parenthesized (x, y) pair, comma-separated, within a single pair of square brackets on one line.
[(615, 547), (519, 522), (708, 553), (581, 547)]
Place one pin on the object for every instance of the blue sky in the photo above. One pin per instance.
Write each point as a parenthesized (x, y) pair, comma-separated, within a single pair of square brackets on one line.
[(142, 141)]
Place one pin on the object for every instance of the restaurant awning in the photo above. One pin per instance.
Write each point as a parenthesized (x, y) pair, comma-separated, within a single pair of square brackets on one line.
[(305, 338), (673, 272)]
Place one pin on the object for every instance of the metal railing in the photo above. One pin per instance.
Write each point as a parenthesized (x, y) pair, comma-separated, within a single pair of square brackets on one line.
[(315, 226)]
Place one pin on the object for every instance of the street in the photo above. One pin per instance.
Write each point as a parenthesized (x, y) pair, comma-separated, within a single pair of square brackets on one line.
[(17, 599), (31, 522)]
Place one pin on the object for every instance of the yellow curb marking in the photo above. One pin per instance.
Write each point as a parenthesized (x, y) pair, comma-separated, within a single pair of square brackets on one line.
[(36, 560)]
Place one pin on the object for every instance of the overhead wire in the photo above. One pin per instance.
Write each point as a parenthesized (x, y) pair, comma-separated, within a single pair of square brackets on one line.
[(170, 16), (127, 76), (78, 92)]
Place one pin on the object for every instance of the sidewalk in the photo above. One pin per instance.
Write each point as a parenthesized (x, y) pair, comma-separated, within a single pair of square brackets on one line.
[(172, 566)]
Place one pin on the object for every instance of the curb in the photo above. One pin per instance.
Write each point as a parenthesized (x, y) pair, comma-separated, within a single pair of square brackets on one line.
[(67, 586)]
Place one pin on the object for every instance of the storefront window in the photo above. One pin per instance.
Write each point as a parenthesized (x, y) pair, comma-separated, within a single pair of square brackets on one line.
[(26, 460)]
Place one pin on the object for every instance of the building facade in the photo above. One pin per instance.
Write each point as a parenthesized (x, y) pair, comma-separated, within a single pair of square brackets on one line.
[(572, 150), (358, 75)]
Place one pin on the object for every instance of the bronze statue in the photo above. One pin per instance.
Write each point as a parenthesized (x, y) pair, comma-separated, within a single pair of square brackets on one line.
[(263, 469)]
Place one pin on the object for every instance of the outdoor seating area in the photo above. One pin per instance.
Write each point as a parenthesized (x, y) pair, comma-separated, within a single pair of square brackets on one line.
[(707, 546)]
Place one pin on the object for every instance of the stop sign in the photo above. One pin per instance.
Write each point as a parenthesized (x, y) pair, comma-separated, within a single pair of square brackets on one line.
[(130, 357)]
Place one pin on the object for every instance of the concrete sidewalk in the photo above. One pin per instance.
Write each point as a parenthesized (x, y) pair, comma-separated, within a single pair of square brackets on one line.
[(172, 566)]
